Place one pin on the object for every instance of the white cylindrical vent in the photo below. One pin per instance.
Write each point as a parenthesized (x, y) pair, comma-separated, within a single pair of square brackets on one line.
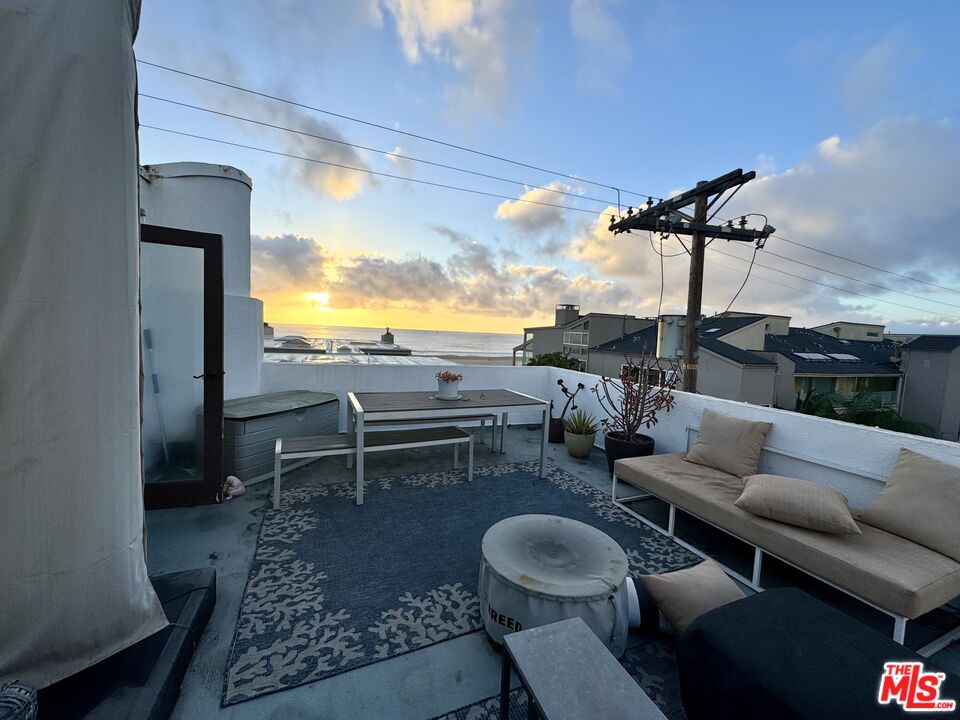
[(206, 198), (670, 336)]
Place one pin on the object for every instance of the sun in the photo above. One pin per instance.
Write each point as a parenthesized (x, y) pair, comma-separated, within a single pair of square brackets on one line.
[(319, 300)]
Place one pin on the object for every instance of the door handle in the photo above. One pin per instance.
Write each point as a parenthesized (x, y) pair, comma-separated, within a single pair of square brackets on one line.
[(206, 375)]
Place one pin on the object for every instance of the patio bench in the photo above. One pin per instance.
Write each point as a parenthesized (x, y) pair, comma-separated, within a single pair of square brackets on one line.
[(316, 446), (482, 419)]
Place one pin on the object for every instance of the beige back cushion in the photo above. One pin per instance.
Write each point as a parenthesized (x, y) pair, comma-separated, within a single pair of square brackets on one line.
[(685, 595), (728, 444), (798, 502), (921, 502)]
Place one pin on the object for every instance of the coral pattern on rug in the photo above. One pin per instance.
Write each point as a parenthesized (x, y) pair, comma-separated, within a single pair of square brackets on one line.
[(334, 586)]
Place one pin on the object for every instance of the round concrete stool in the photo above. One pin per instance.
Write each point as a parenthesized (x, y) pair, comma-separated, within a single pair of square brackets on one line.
[(539, 569)]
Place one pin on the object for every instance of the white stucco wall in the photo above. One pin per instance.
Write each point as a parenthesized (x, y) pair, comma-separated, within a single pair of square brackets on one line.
[(341, 379), (854, 459)]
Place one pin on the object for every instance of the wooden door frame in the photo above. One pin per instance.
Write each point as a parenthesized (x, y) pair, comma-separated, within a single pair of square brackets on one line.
[(199, 492)]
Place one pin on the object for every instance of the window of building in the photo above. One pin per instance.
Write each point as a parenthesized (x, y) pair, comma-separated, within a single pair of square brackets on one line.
[(576, 339), (873, 334)]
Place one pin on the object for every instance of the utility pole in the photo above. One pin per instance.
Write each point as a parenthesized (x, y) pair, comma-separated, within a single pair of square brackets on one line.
[(666, 217), (691, 332)]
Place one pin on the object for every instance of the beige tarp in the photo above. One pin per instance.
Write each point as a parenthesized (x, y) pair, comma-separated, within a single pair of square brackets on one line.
[(73, 583)]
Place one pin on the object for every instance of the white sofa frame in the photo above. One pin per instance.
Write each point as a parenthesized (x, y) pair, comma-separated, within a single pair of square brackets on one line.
[(753, 582)]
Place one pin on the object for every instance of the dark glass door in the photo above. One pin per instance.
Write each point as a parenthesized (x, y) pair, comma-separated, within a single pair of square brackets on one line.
[(181, 323)]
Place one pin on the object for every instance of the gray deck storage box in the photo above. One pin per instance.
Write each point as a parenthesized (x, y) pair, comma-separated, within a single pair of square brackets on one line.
[(251, 426)]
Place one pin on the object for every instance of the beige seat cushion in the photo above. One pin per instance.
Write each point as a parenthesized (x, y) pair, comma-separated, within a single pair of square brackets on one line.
[(890, 571), (729, 444), (684, 595), (921, 502), (798, 502)]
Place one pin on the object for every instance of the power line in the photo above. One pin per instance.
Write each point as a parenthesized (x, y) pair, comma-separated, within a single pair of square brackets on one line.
[(779, 284), (389, 153), (367, 171), (746, 277), (379, 126), (865, 282), (832, 287), (866, 265)]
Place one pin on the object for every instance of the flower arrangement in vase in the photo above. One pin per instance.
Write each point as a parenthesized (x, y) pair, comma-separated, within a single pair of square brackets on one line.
[(448, 385)]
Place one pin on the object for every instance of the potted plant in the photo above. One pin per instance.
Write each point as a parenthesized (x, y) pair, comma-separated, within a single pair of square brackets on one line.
[(448, 385), (632, 402), (579, 432), (555, 434)]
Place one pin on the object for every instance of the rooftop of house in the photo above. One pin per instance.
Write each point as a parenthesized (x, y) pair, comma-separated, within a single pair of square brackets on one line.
[(944, 343), (815, 353), (441, 677), (728, 351), (639, 343), (722, 325)]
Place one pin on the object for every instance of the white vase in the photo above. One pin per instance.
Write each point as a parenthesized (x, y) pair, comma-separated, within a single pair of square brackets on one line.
[(448, 389)]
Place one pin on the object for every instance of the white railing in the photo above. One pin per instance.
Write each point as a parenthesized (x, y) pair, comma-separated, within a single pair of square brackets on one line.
[(854, 459)]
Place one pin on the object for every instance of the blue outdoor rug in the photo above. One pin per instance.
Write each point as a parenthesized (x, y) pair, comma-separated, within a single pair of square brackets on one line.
[(334, 587)]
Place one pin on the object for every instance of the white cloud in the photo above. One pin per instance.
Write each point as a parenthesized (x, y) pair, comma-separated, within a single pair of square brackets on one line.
[(473, 37), (603, 49), (527, 216), (400, 161)]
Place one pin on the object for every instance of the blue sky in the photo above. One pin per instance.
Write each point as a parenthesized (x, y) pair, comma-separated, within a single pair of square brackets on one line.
[(848, 111)]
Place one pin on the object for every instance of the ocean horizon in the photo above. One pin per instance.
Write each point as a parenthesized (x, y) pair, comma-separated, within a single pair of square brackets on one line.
[(421, 342)]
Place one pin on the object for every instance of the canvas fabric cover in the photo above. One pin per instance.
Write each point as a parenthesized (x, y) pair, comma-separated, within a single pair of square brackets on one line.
[(540, 569), (729, 444), (921, 502), (893, 572), (684, 595), (73, 582), (798, 502)]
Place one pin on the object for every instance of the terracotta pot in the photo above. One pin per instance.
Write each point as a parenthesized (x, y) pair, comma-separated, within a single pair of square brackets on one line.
[(618, 448), (555, 434), (579, 446)]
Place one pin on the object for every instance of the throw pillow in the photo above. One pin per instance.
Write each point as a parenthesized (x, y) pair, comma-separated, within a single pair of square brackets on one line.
[(920, 502), (728, 444), (685, 595), (798, 502)]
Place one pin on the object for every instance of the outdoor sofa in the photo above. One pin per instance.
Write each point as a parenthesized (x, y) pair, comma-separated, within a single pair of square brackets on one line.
[(897, 575)]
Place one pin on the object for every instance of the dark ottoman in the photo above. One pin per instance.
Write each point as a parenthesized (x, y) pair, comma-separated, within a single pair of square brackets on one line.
[(783, 654)]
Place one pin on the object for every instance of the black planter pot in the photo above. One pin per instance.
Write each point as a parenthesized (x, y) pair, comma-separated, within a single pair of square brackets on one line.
[(556, 431), (617, 448)]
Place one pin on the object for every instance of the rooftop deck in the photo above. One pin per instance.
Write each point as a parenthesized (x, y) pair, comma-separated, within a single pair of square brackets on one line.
[(442, 677)]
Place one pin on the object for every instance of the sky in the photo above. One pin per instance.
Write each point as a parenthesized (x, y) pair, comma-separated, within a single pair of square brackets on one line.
[(848, 113)]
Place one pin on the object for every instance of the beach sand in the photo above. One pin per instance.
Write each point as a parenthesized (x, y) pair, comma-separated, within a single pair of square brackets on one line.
[(478, 359)]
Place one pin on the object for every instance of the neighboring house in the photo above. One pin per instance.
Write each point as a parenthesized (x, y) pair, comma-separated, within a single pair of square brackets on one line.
[(820, 360), (573, 333), (726, 370), (852, 331), (931, 383)]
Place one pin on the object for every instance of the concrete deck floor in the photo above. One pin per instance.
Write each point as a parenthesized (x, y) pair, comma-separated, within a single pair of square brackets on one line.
[(417, 685)]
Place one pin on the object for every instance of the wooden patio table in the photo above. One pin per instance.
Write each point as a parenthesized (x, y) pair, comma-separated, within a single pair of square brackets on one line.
[(408, 406)]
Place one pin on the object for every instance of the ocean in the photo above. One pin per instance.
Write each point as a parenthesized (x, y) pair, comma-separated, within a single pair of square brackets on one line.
[(422, 342)]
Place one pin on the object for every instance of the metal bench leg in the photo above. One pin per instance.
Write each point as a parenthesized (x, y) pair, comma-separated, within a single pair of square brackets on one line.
[(493, 433), (899, 629), (503, 430), (470, 459), (757, 561), (672, 520), (456, 456), (359, 426), (351, 427), (276, 474), (483, 427)]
